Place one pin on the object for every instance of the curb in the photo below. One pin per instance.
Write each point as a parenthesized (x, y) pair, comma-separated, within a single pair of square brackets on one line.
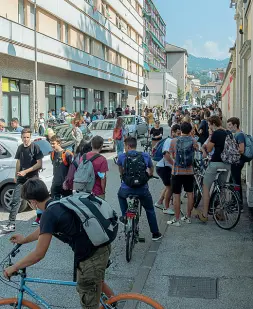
[(147, 264)]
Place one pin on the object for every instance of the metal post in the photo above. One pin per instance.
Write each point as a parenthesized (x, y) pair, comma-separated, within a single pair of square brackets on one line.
[(35, 63), (138, 90)]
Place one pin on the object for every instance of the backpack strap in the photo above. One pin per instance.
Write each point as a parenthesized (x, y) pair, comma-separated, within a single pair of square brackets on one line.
[(32, 149), (52, 155), (94, 157), (64, 157)]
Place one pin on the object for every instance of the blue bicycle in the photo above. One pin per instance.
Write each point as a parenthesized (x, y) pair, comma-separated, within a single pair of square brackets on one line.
[(20, 303)]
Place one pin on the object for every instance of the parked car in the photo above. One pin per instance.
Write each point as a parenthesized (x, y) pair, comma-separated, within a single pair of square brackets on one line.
[(9, 143), (64, 132), (104, 128), (135, 125)]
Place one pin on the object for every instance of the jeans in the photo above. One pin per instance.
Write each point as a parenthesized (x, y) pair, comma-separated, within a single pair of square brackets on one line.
[(15, 203), (236, 174), (120, 147), (146, 201)]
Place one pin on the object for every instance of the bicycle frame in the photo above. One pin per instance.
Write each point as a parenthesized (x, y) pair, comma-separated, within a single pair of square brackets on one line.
[(25, 289)]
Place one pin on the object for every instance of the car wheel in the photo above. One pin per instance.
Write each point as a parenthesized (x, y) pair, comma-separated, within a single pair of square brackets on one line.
[(6, 198)]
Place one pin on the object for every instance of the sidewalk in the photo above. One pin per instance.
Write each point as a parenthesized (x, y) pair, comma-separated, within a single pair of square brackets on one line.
[(199, 266)]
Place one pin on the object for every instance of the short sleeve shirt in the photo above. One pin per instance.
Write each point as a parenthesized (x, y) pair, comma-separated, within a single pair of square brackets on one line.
[(65, 225), (240, 138), (100, 165), (28, 157), (166, 147), (177, 170), (60, 170), (218, 139), (121, 161), (156, 132)]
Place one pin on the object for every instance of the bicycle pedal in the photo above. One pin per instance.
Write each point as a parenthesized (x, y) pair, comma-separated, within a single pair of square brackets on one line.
[(141, 239)]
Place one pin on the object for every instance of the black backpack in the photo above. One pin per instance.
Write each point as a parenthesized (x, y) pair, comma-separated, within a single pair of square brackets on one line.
[(135, 175)]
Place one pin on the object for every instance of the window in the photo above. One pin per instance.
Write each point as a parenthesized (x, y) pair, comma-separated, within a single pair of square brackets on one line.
[(66, 33), (32, 16), (79, 99), (54, 97), (87, 44), (208, 91), (4, 153), (21, 12), (98, 99), (112, 101), (204, 91), (58, 30)]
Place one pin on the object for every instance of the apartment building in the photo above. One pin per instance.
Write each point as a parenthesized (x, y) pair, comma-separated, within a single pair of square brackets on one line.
[(177, 63), (238, 86), (89, 55), (154, 38)]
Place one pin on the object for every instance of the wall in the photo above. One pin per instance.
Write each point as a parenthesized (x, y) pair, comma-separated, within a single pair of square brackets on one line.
[(176, 63)]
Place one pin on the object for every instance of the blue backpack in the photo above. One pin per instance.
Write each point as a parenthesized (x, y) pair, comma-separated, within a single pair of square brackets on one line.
[(157, 152), (184, 152), (248, 153)]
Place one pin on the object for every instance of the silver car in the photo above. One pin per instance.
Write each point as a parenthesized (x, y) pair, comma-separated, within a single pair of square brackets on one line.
[(135, 125), (104, 128), (9, 143)]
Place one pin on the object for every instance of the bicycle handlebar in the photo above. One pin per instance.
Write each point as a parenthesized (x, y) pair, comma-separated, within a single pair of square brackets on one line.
[(15, 250)]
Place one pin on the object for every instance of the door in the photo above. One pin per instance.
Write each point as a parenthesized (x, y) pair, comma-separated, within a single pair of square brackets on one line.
[(14, 106)]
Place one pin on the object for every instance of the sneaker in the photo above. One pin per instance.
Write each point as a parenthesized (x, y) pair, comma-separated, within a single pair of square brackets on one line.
[(156, 236), (36, 222), (186, 219), (174, 222), (202, 218), (157, 204), (115, 159), (123, 220), (10, 227), (169, 212)]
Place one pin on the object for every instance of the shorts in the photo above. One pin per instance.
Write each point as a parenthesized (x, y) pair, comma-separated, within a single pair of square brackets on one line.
[(165, 174), (179, 181), (90, 275), (211, 173)]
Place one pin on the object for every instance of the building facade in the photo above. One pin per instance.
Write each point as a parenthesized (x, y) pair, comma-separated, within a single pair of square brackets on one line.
[(208, 93), (162, 89), (89, 55), (177, 63), (243, 107), (153, 38)]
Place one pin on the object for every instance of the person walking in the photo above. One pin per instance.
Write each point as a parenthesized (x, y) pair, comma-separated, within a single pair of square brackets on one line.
[(42, 124), (29, 162), (156, 133), (119, 133), (203, 128), (133, 112), (76, 133)]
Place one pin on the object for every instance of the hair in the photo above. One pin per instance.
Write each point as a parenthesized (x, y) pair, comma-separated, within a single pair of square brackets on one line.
[(119, 123), (187, 118), (186, 128), (34, 189), (26, 131), (215, 120), (131, 142), (56, 139), (175, 127), (207, 113), (234, 120), (97, 142), (83, 147), (15, 120)]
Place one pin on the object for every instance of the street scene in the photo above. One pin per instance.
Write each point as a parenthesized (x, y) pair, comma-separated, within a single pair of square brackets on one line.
[(126, 150)]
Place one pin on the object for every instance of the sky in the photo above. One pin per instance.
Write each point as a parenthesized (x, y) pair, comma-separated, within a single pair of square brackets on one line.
[(206, 28)]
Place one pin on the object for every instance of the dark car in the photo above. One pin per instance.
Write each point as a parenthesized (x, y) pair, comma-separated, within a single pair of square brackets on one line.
[(64, 132)]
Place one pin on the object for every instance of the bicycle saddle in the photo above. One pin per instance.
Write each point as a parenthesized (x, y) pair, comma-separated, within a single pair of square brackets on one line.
[(221, 170), (131, 196)]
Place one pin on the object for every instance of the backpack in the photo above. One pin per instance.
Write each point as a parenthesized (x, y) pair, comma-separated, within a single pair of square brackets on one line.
[(184, 152), (69, 180), (84, 178), (117, 134), (248, 153), (63, 156), (135, 174), (157, 153), (230, 154), (98, 219)]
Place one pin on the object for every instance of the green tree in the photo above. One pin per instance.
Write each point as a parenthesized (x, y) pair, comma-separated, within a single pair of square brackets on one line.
[(180, 95)]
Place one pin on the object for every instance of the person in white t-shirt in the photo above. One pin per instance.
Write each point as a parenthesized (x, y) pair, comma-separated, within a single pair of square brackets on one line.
[(163, 170)]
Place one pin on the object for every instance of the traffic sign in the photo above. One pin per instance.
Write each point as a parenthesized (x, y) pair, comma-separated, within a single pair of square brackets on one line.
[(145, 91)]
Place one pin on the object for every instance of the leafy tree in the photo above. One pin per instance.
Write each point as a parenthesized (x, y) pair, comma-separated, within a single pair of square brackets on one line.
[(180, 95)]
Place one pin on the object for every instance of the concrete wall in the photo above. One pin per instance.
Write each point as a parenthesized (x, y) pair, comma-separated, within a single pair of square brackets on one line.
[(176, 63)]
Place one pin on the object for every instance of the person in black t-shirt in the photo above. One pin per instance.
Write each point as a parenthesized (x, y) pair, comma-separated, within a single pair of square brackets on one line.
[(64, 224), (157, 133), (217, 143), (203, 128), (119, 111), (29, 162)]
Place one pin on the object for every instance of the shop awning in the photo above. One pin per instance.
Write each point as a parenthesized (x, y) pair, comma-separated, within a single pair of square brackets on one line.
[(157, 41), (146, 66)]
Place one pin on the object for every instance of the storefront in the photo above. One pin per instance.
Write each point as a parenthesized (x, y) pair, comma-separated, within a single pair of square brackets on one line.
[(54, 98), (16, 100), (112, 101), (98, 100), (79, 99)]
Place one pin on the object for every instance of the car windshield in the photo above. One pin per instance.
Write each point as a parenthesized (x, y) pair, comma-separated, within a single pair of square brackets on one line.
[(102, 125), (129, 120), (45, 146)]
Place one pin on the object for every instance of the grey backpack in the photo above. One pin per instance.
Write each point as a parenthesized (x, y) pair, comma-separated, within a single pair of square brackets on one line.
[(84, 178), (98, 219)]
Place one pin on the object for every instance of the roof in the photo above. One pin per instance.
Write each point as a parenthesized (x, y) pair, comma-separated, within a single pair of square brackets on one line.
[(170, 48)]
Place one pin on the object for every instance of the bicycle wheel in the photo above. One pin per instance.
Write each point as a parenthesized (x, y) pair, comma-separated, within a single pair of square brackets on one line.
[(196, 194), (130, 240), (132, 297), (13, 303), (226, 208)]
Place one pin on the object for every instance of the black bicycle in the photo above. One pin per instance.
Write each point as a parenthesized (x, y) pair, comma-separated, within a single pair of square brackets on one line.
[(131, 228), (224, 203), (147, 145)]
